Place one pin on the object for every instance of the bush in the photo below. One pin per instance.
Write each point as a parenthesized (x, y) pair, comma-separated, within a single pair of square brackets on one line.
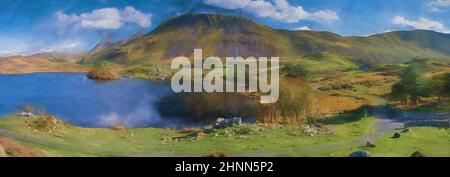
[(44, 123), (418, 154), (295, 71)]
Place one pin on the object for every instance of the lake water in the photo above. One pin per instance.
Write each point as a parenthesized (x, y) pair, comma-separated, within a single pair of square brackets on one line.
[(84, 102)]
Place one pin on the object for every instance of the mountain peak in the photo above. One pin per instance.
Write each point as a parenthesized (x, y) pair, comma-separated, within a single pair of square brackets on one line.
[(208, 21)]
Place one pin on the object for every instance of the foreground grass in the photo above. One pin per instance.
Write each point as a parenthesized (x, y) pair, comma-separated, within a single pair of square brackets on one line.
[(431, 141), (68, 140), (247, 140)]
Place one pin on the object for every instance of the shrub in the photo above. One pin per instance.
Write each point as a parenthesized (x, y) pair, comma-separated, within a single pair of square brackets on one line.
[(296, 71), (44, 123)]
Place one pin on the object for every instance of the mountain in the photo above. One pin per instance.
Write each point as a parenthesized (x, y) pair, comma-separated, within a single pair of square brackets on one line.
[(58, 56), (102, 46), (224, 36)]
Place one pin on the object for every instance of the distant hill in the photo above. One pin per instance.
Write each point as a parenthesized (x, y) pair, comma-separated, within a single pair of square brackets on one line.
[(42, 62), (224, 36)]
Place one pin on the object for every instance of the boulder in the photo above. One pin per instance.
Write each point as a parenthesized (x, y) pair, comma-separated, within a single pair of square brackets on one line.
[(370, 145), (396, 135), (236, 121), (310, 130), (360, 154), (222, 122), (219, 121), (418, 154)]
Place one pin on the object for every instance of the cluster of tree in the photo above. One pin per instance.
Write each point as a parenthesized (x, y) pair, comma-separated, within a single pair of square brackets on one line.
[(411, 87)]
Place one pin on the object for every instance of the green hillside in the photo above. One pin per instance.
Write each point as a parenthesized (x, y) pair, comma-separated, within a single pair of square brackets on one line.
[(224, 36)]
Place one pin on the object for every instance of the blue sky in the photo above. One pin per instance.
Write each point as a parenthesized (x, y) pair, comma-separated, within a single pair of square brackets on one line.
[(33, 26)]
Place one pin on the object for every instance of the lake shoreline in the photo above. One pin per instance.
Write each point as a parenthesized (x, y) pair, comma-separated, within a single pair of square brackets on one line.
[(43, 72), (17, 71)]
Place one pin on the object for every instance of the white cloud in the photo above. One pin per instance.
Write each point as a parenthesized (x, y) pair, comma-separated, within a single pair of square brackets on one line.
[(439, 4), (421, 23), (130, 14), (7, 49), (66, 46), (279, 10), (24, 47), (105, 18), (303, 28)]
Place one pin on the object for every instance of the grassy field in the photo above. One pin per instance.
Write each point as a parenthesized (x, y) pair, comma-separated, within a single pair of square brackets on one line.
[(67, 140), (431, 141), (338, 138)]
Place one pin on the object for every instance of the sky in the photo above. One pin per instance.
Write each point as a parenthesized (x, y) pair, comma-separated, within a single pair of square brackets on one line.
[(34, 26)]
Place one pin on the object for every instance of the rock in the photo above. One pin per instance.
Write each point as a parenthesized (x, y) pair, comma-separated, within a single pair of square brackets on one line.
[(418, 154), (360, 154), (370, 145), (396, 135), (236, 121), (310, 130), (222, 122), (219, 121)]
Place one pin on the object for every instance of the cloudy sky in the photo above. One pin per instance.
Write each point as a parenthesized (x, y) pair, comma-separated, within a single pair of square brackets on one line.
[(33, 26)]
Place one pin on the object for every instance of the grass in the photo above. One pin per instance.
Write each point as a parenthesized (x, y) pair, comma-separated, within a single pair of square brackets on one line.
[(240, 140), (431, 141)]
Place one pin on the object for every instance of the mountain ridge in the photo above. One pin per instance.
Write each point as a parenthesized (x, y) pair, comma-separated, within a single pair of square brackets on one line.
[(222, 36)]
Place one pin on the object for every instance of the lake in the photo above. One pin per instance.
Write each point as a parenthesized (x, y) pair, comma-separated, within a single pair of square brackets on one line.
[(84, 102)]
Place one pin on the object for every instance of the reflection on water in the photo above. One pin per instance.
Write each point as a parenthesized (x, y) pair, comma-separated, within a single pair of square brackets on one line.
[(81, 101)]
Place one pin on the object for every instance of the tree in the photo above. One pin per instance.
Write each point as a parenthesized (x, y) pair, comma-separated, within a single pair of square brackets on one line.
[(441, 86), (446, 85), (411, 87)]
